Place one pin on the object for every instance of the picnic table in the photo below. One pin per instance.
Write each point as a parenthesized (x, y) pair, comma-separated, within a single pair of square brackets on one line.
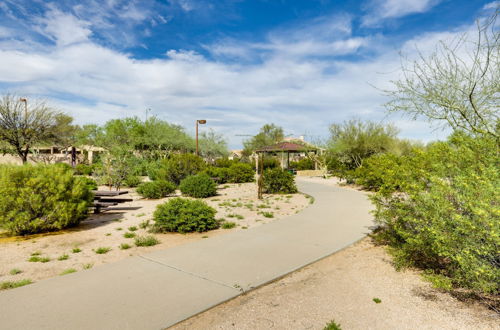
[(106, 198)]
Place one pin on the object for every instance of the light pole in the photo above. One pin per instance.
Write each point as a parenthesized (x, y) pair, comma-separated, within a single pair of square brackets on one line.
[(202, 122)]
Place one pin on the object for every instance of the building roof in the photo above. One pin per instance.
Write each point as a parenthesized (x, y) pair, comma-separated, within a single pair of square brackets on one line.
[(286, 146)]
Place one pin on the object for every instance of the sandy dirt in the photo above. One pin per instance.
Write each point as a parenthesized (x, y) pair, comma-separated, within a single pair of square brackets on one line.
[(342, 288), (236, 203)]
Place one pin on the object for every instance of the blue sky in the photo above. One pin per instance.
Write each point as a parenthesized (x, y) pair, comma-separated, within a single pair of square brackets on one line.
[(237, 63)]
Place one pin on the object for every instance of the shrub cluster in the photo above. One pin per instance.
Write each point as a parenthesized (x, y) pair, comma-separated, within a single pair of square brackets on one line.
[(198, 186), (443, 214), (84, 169), (184, 215), (132, 181), (178, 167), (156, 189), (41, 198), (278, 181), (240, 173), (218, 174), (303, 164)]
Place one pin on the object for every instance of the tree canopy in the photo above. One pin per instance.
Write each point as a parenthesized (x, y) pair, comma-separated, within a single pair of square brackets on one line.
[(269, 134)]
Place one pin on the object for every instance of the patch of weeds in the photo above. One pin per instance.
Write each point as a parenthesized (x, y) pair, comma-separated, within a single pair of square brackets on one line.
[(133, 228), (288, 196), (63, 257), (34, 259), (225, 204), (311, 199), (228, 225), (377, 300), (102, 250), (140, 215), (117, 220), (87, 266), (119, 228), (144, 224), (244, 227), (226, 186), (216, 199), (129, 235), (277, 208), (239, 204), (249, 206), (36, 253), (76, 250), (204, 236), (263, 206), (146, 240), (68, 271), (124, 246), (332, 325), (268, 214), (239, 217), (15, 271), (108, 234), (14, 284)]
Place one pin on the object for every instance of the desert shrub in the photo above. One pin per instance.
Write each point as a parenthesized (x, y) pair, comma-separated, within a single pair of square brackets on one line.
[(380, 171), (155, 189), (445, 217), (83, 169), (132, 181), (240, 173), (184, 215), (148, 240), (219, 174), (270, 162), (178, 167), (279, 181), (91, 183), (41, 198), (303, 164), (198, 186), (225, 162)]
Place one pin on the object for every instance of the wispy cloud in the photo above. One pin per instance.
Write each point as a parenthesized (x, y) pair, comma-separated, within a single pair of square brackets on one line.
[(380, 10)]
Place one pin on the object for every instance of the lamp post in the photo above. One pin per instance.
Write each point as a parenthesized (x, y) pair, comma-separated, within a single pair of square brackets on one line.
[(202, 122)]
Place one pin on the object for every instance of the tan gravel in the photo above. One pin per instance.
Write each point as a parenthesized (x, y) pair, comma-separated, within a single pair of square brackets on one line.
[(107, 229)]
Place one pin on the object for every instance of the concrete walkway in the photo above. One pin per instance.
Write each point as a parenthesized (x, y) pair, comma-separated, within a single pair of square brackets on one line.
[(159, 289)]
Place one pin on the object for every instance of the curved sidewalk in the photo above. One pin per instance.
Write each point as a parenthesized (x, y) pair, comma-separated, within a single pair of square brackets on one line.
[(159, 289)]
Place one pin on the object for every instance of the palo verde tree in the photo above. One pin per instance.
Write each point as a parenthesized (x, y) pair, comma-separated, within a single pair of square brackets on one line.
[(458, 84), (25, 124)]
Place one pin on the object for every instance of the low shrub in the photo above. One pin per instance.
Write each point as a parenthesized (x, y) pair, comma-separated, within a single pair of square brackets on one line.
[(14, 284), (155, 189), (146, 241), (184, 215), (178, 167), (198, 186), (228, 225), (68, 271), (380, 171), (445, 217), (225, 162), (241, 173), (278, 181), (102, 250), (83, 169), (91, 183), (41, 198), (132, 181), (303, 164), (218, 174), (125, 246)]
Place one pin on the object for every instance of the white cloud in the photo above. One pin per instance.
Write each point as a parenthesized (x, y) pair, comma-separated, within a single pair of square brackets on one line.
[(286, 86), (379, 10), (64, 29)]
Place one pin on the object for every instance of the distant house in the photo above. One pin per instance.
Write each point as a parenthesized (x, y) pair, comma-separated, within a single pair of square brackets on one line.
[(54, 154), (235, 154)]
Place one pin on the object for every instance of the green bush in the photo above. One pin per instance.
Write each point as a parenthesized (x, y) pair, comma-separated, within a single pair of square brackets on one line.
[(278, 181), (380, 171), (225, 162), (83, 169), (132, 181), (91, 183), (178, 167), (445, 217), (41, 198), (303, 164), (219, 174), (183, 216), (155, 189), (240, 173), (270, 162), (198, 186)]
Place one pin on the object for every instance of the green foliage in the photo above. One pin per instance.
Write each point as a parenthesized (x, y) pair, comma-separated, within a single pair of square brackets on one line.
[(41, 198), (445, 216), (218, 174), (268, 214), (125, 246), (91, 183), (198, 186), (212, 145), (303, 164), (228, 225), (377, 300), (178, 167), (278, 181), (102, 250), (76, 250), (63, 257), (354, 141), (241, 173), (268, 135), (15, 271), (155, 189), (270, 162), (225, 162), (149, 240), (132, 181), (68, 271), (129, 235), (83, 169), (12, 285), (184, 215), (332, 325), (380, 171)]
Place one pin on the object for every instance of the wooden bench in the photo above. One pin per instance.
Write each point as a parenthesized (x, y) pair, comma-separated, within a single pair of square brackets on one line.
[(103, 199)]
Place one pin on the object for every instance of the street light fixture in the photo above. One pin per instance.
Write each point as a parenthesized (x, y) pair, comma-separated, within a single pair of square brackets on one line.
[(201, 122)]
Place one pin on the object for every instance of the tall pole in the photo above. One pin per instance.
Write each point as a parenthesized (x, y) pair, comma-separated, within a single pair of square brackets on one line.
[(197, 154)]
